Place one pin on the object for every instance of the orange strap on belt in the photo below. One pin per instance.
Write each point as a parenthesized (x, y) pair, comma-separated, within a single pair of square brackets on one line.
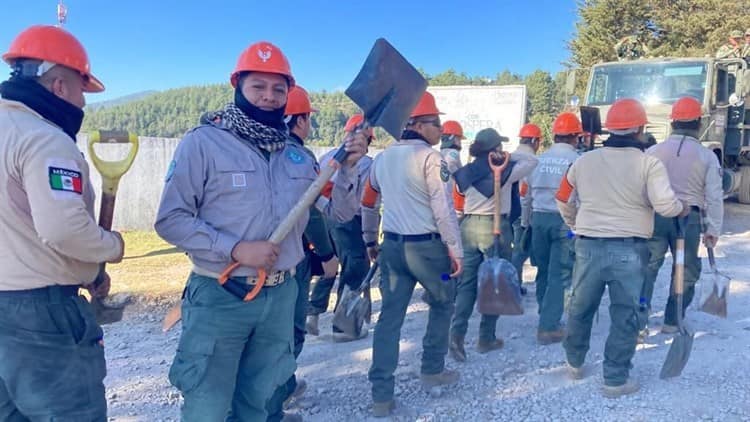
[(224, 276)]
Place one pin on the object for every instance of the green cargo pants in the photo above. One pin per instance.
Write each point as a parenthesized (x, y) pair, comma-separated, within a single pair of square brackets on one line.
[(477, 239), (665, 237), (620, 265), (302, 275), (51, 357), (233, 354), (553, 253), (402, 265)]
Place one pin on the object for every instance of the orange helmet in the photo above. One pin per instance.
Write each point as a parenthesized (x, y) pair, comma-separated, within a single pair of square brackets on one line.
[(262, 57), (355, 121), (567, 123), (686, 109), (56, 45), (452, 127), (425, 107), (298, 102), (530, 130), (626, 113)]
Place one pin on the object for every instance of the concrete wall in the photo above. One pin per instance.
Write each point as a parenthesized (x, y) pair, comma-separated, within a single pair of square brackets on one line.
[(140, 189)]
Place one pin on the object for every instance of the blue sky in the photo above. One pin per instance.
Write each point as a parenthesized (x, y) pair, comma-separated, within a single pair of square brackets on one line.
[(138, 45)]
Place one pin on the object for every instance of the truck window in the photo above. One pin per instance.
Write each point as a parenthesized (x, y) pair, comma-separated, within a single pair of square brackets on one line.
[(649, 82)]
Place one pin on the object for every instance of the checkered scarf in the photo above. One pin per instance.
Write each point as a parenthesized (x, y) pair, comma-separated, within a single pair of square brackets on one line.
[(249, 130)]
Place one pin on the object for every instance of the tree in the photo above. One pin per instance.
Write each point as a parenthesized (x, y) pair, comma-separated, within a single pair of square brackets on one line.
[(507, 78)]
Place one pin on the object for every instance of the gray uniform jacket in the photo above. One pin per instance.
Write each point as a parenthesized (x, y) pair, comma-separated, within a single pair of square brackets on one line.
[(476, 203), (221, 190), (363, 170), (543, 183), (410, 177), (695, 176)]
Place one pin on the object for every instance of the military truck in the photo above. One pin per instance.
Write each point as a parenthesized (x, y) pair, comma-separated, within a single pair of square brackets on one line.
[(721, 85)]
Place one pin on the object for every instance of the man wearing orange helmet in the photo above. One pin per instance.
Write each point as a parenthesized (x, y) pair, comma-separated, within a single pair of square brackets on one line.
[(347, 238), (601, 198), (319, 258), (51, 352), (551, 245), (529, 143), (233, 179), (450, 147), (421, 244), (695, 176)]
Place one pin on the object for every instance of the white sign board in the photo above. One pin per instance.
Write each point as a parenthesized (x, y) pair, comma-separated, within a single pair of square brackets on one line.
[(478, 107)]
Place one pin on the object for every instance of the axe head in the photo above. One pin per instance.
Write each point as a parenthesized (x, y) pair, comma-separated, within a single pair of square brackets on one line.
[(387, 88)]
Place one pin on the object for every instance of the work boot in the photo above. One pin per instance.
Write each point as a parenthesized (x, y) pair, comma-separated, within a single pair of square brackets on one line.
[(311, 326), (447, 377), (524, 291), (484, 346), (575, 373), (299, 390), (613, 392), (383, 408), (291, 417), (549, 337), (456, 348), (669, 329)]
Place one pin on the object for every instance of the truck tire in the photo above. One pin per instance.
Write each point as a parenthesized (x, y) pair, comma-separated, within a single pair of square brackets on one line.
[(744, 191)]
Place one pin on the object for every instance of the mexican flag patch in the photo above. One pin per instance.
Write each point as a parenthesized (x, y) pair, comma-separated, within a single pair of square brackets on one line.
[(65, 180)]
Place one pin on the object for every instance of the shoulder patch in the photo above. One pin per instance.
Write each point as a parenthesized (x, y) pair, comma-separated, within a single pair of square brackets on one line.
[(294, 156), (64, 179), (170, 171), (454, 154), (445, 174)]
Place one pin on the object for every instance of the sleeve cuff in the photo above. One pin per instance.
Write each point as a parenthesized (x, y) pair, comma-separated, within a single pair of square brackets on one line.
[(224, 245)]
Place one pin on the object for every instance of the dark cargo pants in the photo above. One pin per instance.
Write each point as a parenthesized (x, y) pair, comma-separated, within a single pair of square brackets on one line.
[(519, 255), (553, 254), (665, 237), (51, 357), (233, 354), (402, 265), (620, 265), (477, 239), (352, 253)]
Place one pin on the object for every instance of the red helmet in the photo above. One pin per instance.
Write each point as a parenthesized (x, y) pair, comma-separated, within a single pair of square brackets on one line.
[(355, 121), (426, 106), (567, 123), (262, 57), (452, 127), (298, 102), (530, 130), (686, 109), (55, 45), (625, 114)]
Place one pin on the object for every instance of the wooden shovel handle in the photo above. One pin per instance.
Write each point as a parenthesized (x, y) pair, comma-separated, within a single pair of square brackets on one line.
[(497, 171)]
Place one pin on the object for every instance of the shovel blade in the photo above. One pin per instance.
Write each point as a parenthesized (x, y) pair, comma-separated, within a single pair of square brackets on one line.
[(350, 313), (716, 304), (678, 355), (107, 313), (387, 88), (498, 289)]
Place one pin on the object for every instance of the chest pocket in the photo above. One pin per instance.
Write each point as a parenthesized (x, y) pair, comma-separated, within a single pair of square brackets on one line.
[(238, 182), (300, 169)]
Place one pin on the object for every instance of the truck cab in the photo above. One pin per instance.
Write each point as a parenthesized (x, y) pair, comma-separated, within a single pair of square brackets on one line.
[(721, 85)]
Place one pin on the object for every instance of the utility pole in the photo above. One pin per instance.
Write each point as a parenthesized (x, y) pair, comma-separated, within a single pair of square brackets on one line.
[(62, 13)]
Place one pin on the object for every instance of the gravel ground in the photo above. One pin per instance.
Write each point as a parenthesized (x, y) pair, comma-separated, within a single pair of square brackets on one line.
[(524, 381)]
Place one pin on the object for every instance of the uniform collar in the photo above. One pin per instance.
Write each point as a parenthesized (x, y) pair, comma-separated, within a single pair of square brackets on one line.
[(526, 149), (562, 145)]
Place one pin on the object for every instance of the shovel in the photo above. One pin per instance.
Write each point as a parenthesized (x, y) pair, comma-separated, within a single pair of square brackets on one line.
[(682, 343), (354, 306), (108, 311), (716, 303), (499, 291), (387, 89)]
